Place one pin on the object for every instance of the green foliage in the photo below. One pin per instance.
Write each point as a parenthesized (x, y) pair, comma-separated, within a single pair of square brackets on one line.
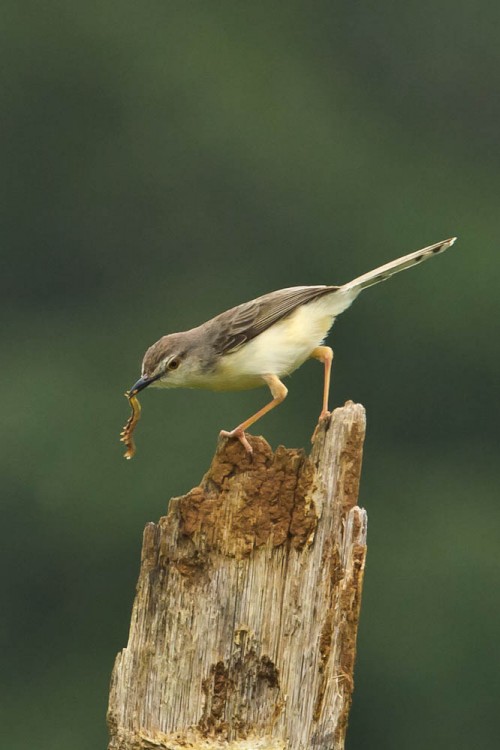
[(164, 161)]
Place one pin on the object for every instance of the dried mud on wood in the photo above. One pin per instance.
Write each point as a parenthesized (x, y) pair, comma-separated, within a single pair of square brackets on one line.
[(243, 631)]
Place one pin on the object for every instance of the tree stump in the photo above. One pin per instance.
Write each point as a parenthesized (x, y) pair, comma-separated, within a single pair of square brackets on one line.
[(243, 631)]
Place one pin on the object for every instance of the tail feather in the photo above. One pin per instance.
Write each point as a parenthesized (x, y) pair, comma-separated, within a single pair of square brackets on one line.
[(385, 272)]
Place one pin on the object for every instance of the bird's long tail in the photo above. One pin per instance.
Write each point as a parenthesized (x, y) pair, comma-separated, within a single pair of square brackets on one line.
[(385, 272)]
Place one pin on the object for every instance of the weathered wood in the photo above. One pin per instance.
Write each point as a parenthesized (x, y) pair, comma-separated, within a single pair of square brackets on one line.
[(243, 631)]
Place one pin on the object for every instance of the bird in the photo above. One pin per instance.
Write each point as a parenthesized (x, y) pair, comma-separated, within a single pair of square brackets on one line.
[(260, 342)]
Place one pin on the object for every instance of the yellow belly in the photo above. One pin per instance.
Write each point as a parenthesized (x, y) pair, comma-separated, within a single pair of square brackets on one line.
[(278, 351)]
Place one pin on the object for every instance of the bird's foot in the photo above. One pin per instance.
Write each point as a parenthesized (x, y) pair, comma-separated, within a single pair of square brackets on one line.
[(239, 434), (323, 417)]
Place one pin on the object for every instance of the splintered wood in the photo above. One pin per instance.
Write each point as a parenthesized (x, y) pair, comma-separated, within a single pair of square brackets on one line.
[(243, 633)]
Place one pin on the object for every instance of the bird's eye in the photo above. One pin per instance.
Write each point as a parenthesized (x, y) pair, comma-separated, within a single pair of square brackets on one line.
[(173, 364)]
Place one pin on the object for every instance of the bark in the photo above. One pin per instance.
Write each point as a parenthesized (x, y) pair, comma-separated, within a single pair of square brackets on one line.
[(243, 631)]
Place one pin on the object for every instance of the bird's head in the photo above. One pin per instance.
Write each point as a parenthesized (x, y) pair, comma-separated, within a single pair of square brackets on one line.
[(165, 364)]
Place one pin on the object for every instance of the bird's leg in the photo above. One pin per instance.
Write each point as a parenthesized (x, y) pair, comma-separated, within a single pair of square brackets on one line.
[(279, 392), (325, 355)]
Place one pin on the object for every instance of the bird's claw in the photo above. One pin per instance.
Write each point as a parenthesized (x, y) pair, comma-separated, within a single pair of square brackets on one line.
[(239, 434), (323, 417)]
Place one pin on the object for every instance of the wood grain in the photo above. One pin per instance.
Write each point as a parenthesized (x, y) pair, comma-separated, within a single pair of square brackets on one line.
[(243, 631)]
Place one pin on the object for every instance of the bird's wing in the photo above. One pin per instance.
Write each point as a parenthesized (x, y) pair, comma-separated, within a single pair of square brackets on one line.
[(241, 324)]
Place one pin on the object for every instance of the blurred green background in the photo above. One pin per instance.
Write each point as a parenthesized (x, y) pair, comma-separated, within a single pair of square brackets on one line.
[(164, 161)]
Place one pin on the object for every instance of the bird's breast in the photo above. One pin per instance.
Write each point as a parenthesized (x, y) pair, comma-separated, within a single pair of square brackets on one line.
[(281, 348)]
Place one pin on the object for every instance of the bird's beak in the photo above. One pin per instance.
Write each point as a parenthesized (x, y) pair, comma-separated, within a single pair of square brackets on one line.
[(141, 383)]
